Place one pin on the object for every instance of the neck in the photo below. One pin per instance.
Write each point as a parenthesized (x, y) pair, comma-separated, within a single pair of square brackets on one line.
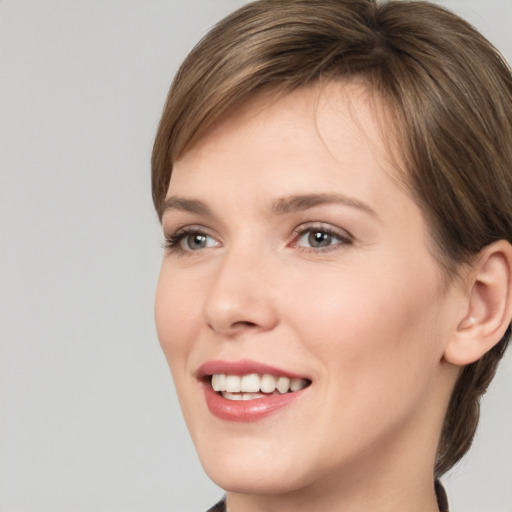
[(400, 499), (349, 493)]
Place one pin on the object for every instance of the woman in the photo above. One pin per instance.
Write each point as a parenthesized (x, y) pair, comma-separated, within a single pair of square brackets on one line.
[(334, 184)]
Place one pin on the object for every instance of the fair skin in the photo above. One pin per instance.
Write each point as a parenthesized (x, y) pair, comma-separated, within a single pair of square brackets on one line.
[(294, 247)]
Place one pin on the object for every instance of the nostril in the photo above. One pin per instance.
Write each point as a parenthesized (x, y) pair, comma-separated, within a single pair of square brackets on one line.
[(244, 323), (237, 326)]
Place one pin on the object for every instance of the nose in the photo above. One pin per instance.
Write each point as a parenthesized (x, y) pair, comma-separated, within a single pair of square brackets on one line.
[(240, 296)]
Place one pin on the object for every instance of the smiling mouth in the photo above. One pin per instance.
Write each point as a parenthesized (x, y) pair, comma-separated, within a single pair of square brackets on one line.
[(254, 385)]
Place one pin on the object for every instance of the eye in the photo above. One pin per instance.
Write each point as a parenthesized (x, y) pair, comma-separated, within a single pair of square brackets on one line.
[(316, 238), (321, 238), (196, 241), (189, 240)]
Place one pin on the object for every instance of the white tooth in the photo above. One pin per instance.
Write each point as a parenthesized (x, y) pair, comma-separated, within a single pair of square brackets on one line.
[(222, 381), (232, 396), (268, 383), (233, 383), (250, 383), (215, 382), (252, 396), (283, 384), (297, 384)]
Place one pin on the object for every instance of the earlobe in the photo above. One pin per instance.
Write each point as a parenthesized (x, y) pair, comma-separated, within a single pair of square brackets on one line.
[(489, 306)]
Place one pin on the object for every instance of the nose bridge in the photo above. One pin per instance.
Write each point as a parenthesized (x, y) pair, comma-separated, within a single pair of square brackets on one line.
[(239, 297)]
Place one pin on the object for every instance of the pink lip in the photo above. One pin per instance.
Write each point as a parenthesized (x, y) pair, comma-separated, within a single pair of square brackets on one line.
[(244, 411)]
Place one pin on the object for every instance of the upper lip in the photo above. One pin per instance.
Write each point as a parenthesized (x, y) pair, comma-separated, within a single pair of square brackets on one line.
[(243, 367)]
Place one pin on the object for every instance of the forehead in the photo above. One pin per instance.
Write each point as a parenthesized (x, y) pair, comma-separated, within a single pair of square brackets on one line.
[(343, 119)]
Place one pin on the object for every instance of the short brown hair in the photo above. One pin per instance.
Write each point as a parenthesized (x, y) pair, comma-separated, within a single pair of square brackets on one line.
[(450, 92)]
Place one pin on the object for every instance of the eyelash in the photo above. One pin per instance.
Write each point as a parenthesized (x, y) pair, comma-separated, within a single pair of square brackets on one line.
[(343, 237), (173, 241)]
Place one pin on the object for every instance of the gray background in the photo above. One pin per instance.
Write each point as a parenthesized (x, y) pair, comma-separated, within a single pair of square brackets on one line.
[(88, 418)]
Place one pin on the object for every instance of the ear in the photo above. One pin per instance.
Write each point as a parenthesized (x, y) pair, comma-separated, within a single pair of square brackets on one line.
[(488, 309)]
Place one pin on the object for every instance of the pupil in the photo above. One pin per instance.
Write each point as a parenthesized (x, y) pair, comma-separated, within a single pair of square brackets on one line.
[(319, 239), (197, 241)]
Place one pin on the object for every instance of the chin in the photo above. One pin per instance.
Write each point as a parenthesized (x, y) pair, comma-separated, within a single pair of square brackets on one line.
[(249, 479), (252, 469)]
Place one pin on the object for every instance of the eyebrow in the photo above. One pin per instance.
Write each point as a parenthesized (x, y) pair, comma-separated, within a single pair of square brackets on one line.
[(187, 205), (280, 206), (305, 201)]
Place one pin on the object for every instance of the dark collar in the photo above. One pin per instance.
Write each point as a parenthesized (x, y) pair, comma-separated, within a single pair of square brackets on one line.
[(219, 507)]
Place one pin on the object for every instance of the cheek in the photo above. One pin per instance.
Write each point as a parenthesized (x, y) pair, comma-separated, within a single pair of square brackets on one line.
[(377, 348), (177, 316), (374, 322)]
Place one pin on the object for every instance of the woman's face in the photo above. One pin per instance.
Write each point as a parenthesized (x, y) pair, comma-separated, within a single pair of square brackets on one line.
[(293, 253)]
